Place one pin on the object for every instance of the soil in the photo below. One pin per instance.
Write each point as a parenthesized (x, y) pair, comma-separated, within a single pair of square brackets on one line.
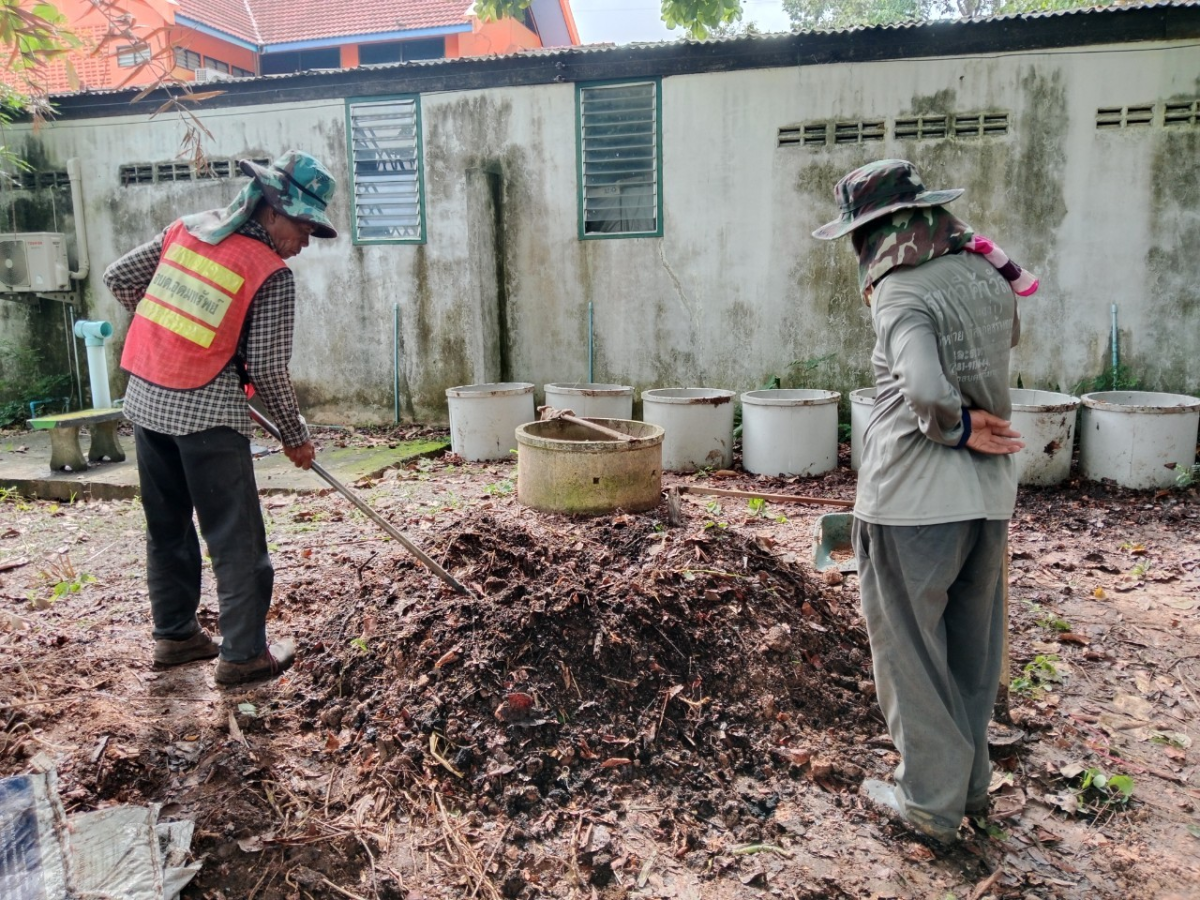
[(630, 705)]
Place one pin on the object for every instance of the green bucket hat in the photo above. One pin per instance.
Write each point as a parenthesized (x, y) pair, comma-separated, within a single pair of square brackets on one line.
[(297, 186), (876, 190)]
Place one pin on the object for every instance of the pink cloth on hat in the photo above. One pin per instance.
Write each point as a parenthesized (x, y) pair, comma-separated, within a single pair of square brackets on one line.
[(1023, 283)]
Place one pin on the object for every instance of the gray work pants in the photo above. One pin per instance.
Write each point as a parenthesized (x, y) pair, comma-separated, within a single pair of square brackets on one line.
[(933, 598)]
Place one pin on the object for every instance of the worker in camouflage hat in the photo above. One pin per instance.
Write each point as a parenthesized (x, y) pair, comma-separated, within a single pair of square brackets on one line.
[(214, 305), (295, 185), (936, 487), (298, 186), (878, 190)]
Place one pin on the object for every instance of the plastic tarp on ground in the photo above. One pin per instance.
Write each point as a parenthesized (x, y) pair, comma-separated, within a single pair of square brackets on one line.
[(122, 852), (32, 835)]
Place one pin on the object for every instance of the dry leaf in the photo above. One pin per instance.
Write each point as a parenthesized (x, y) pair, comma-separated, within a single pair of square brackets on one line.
[(450, 656), (794, 755), (520, 702), (252, 844), (615, 761), (516, 706), (234, 731), (1070, 637)]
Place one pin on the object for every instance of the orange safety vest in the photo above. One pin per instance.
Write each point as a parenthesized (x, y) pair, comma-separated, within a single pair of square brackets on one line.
[(187, 326)]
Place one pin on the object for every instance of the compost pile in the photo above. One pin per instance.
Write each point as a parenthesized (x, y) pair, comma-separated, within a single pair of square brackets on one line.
[(666, 705), (594, 654)]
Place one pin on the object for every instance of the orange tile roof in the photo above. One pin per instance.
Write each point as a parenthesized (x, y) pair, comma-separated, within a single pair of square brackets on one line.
[(266, 22), (230, 16)]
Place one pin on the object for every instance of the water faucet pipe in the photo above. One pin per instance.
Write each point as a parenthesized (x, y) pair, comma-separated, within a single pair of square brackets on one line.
[(396, 362), (81, 250), (591, 346), (1115, 355), (94, 334)]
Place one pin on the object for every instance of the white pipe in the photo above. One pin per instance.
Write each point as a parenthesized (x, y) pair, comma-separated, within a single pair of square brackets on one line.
[(98, 376), (94, 335), (81, 250)]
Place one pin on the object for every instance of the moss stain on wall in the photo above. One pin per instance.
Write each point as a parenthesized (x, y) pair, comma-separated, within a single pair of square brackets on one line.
[(1037, 168), (1172, 295), (830, 337)]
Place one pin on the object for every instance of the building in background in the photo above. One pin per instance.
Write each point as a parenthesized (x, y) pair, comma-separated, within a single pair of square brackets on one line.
[(642, 215), (204, 41)]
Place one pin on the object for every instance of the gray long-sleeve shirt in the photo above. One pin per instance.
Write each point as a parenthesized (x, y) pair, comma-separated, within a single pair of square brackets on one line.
[(944, 332)]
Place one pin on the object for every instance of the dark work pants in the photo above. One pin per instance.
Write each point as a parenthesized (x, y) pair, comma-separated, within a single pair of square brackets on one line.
[(212, 473), (933, 598)]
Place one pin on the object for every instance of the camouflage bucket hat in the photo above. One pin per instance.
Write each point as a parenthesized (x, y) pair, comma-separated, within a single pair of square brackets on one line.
[(297, 186), (877, 189)]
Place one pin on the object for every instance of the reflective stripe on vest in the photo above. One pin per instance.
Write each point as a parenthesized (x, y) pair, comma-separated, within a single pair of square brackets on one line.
[(188, 324)]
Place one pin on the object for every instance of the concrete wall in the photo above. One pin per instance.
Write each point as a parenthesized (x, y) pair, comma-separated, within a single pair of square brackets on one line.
[(736, 291)]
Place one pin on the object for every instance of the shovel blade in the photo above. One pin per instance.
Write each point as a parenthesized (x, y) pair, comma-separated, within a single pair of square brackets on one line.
[(832, 548)]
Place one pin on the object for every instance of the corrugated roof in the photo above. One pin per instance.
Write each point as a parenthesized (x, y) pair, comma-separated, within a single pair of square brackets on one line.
[(585, 52), (267, 22)]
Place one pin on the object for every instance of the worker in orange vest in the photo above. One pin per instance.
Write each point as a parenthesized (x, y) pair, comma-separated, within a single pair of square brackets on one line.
[(214, 306)]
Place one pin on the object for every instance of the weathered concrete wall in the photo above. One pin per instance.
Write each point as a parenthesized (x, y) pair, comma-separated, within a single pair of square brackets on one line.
[(736, 291)]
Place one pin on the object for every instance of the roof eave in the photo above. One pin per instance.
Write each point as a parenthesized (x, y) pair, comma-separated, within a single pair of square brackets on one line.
[(194, 25), (339, 40)]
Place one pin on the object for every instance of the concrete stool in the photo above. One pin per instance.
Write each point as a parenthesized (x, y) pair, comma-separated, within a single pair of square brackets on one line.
[(64, 437)]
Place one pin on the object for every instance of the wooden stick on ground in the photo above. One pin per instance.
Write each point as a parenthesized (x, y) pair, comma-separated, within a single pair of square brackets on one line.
[(772, 498), (546, 413)]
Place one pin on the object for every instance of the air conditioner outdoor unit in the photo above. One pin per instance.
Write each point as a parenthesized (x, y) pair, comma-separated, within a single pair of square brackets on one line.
[(35, 261), (205, 75)]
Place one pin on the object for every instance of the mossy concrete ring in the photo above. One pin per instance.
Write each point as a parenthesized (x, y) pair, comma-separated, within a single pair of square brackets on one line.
[(562, 468)]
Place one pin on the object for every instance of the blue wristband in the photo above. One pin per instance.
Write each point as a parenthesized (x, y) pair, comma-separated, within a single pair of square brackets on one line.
[(966, 435)]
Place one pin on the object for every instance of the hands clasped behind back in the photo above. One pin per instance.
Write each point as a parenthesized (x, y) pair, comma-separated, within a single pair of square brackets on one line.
[(991, 434)]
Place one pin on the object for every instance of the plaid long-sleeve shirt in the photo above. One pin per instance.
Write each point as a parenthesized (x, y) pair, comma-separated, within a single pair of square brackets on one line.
[(265, 345)]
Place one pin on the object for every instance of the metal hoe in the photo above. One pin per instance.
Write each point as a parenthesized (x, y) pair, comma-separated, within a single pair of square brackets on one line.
[(366, 510)]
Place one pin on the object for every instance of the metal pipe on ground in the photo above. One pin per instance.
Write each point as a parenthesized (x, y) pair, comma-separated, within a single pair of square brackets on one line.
[(379, 520)]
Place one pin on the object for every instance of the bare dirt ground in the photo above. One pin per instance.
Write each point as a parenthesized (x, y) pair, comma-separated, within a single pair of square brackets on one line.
[(624, 708)]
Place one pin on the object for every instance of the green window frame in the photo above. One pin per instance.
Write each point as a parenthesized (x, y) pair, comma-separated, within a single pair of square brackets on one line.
[(618, 151), (387, 179)]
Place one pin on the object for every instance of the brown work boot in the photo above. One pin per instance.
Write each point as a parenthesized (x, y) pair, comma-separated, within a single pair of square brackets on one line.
[(271, 662), (176, 653)]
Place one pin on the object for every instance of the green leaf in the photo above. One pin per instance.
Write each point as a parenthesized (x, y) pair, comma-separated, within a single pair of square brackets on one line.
[(248, 709), (1122, 784), (1194, 830)]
